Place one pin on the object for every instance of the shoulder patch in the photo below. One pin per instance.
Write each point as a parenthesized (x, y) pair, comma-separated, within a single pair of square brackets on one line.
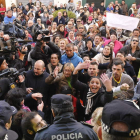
[(43, 128), (87, 124)]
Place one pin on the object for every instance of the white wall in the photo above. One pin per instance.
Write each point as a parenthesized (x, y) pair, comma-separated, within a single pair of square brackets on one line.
[(9, 2)]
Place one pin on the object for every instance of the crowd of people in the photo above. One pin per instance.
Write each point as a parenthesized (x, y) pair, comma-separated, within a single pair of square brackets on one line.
[(66, 77)]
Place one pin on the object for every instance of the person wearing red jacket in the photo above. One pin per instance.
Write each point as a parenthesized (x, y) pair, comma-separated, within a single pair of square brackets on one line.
[(78, 108)]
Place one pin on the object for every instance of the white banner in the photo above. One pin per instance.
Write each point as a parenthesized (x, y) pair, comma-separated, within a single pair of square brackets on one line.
[(123, 22)]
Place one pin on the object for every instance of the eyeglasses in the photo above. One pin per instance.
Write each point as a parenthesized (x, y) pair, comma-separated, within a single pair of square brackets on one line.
[(67, 70), (81, 28), (135, 40), (78, 21)]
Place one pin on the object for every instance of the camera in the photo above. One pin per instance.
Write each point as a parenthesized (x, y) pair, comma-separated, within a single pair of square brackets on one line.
[(8, 46), (12, 74), (8, 78), (45, 35)]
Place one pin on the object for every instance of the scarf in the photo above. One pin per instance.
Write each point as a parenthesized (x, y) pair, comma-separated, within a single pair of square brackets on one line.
[(107, 56), (89, 105), (71, 40), (69, 82), (26, 108)]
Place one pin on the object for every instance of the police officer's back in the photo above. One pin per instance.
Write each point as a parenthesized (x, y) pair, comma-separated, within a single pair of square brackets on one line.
[(65, 126)]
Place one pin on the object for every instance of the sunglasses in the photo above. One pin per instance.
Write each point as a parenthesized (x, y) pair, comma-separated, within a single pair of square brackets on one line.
[(78, 21), (135, 40)]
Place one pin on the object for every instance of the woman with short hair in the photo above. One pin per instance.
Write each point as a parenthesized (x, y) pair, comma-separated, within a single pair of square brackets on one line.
[(61, 79)]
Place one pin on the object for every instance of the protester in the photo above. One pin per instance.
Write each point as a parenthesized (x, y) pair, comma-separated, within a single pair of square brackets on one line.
[(61, 79), (9, 17), (54, 62), (117, 44), (70, 56), (46, 49), (59, 19), (31, 123), (106, 56), (123, 85), (96, 119), (93, 95), (132, 52)]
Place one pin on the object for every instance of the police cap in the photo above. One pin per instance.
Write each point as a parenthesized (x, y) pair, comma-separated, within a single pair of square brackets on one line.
[(61, 101), (121, 111)]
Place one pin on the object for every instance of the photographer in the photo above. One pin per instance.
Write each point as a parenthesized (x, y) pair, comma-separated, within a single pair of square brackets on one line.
[(20, 62), (43, 50), (10, 78), (3, 64)]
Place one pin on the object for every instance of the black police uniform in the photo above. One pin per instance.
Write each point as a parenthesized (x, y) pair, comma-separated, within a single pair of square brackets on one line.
[(65, 127)]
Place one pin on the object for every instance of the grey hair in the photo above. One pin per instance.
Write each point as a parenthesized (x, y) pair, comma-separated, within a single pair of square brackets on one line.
[(107, 136)]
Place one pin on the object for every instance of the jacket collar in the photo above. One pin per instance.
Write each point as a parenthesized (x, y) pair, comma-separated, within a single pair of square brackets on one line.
[(64, 118)]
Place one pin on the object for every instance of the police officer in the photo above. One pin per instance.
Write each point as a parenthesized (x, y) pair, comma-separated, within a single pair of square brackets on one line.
[(65, 127)]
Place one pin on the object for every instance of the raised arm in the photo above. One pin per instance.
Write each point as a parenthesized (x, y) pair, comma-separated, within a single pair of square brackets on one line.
[(74, 81), (108, 95)]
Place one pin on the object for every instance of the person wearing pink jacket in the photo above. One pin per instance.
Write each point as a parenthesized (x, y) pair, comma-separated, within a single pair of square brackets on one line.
[(117, 44)]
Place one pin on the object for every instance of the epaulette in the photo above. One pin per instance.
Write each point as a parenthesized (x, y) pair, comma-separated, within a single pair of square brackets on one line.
[(44, 127), (87, 124)]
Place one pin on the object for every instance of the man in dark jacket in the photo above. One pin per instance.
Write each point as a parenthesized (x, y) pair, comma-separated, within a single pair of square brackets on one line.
[(92, 70), (30, 28), (35, 83), (25, 11), (65, 126), (59, 19), (102, 8), (43, 50), (30, 4), (124, 7)]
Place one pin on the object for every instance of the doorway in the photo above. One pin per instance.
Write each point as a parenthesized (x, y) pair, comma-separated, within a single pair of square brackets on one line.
[(3, 2)]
